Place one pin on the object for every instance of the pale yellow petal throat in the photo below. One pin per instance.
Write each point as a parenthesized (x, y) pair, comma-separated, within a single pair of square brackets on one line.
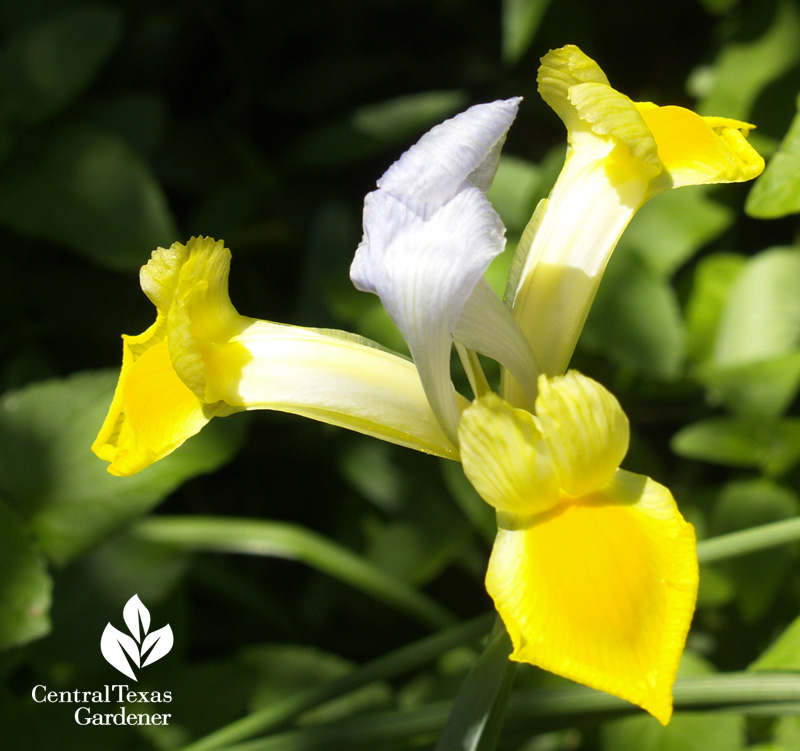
[(201, 359), (593, 571)]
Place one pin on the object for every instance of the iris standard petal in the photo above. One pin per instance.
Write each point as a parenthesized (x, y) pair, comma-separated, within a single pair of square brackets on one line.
[(424, 264), (602, 590), (465, 148)]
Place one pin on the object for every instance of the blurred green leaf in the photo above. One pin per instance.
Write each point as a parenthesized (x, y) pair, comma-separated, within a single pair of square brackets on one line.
[(139, 117), (480, 514), (784, 653), (478, 711), (411, 550), (787, 734), (635, 318), (88, 190), (372, 128), (61, 488), (398, 662), (24, 584), (759, 389), (515, 191), (716, 588), (44, 69), (761, 318), (743, 320), (669, 231), (707, 731), (770, 445), (368, 467), (744, 68), (713, 278), (758, 576), (291, 541), (521, 19), (286, 669), (718, 7), (777, 192)]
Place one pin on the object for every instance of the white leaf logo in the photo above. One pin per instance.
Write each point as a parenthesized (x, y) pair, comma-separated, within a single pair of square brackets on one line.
[(115, 644), (135, 612)]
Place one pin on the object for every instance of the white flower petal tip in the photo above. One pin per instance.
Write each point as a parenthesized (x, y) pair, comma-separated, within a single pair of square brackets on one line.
[(463, 148)]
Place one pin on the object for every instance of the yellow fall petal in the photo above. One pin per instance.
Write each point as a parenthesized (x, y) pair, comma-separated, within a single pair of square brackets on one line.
[(202, 359), (506, 458), (601, 590), (586, 429), (152, 413)]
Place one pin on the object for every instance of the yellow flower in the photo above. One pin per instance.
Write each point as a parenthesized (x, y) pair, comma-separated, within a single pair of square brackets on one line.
[(201, 359), (593, 571), (621, 153)]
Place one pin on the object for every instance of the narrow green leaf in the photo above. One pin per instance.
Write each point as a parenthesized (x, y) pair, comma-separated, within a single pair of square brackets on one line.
[(399, 662), (290, 670), (24, 584), (44, 69), (758, 576), (521, 19), (777, 192), (408, 728), (721, 690), (282, 540), (748, 541), (61, 488), (86, 189), (477, 715), (687, 731)]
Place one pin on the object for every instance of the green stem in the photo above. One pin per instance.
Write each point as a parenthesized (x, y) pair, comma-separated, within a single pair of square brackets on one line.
[(281, 540), (748, 540), (395, 663)]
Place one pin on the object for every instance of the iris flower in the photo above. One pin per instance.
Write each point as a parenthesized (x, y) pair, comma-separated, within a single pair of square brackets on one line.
[(593, 570)]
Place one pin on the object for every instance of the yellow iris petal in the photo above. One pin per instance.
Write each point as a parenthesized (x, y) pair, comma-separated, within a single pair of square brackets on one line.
[(621, 154), (153, 412), (586, 429), (698, 150), (601, 590), (202, 359), (506, 458)]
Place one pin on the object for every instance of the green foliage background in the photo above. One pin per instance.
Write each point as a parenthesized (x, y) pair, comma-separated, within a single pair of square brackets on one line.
[(285, 554)]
